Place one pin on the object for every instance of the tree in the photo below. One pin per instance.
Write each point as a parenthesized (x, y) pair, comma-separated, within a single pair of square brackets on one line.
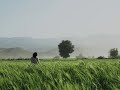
[(65, 48), (113, 53)]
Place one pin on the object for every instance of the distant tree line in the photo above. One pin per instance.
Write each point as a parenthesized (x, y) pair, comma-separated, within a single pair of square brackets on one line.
[(15, 59), (113, 54)]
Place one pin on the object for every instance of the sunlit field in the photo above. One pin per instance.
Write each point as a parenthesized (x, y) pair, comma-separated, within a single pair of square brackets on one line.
[(60, 75)]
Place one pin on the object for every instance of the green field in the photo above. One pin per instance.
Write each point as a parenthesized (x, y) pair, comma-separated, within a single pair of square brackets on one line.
[(60, 75)]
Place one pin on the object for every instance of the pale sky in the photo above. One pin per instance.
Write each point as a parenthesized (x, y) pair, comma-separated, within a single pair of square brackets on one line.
[(58, 18)]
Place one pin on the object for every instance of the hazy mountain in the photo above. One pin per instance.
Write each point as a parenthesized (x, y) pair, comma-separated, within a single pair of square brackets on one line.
[(22, 53), (94, 45), (14, 53), (28, 43)]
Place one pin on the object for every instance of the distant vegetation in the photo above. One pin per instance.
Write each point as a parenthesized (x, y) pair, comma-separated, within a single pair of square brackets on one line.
[(101, 57), (114, 53)]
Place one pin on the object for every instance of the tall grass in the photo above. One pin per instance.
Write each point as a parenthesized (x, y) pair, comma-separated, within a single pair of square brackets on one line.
[(71, 75)]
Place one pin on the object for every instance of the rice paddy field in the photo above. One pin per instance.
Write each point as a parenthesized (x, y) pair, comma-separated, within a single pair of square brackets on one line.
[(60, 75)]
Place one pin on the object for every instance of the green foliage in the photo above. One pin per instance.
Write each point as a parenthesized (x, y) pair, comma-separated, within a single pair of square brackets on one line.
[(65, 48), (60, 75), (114, 53), (101, 57)]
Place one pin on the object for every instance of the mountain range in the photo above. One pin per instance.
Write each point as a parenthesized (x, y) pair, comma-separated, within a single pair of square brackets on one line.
[(94, 45)]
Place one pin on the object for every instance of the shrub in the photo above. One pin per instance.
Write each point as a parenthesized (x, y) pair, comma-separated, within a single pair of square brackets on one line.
[(101, 57)]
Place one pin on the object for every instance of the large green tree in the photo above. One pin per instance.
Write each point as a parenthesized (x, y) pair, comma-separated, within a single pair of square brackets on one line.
[(114, 53), (65, 48)]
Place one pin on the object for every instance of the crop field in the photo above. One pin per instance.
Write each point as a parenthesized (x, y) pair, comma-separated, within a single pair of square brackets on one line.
[(60, 75)]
